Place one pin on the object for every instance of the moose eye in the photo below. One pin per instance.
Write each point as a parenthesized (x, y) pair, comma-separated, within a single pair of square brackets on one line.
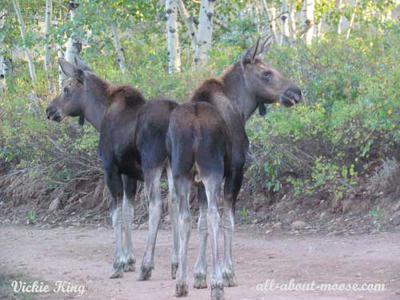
[(267, 75)]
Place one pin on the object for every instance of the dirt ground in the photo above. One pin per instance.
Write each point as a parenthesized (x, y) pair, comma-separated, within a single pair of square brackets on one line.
[(83, 256)]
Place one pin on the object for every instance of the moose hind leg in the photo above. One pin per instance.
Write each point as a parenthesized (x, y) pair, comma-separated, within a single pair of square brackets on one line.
[(200, 269), (212, 185), (173, 212), (128, 213), (153, 190), (182, 186)]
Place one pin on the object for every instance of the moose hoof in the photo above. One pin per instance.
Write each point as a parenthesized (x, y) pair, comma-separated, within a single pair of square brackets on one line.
[(200, 281), (118, 267), (145, 273), (117, 274), (174, 268), (130, 265), (181, 289), (229, 278), (217, 291)]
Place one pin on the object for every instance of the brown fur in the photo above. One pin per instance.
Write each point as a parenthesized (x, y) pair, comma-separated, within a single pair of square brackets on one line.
[(207, 89), (207, 136), (130, 96)]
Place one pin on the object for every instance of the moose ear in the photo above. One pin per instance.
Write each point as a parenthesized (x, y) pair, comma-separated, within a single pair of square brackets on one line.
[(71, 71), (81, 64), (251, 53), (265, 45), (67, 68)]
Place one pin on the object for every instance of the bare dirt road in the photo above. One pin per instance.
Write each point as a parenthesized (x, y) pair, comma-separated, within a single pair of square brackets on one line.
[(83, 256)]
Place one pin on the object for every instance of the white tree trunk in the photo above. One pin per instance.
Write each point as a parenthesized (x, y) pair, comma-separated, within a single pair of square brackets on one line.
[(271, 15), (174, 57), (28, 54), (61, 75), (3, 73), (3, 65), (285, 24), (118, 48), (74, 44), (353, 16), (273, 23), (320, 27), (46, 63), (191, 27), (204, 34), (342, 19), (309, 24), (292, 20), (47, 19)]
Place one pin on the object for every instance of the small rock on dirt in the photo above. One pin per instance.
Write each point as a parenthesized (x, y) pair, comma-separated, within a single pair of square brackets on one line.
[(395, 219), (54, 205), (298, 225), (277, 226)]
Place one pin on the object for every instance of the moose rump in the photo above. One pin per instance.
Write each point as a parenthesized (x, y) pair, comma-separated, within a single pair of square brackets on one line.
[(200, 147), (198, 141)]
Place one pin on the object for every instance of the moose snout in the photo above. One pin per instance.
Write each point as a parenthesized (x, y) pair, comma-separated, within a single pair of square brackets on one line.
[(291, 96), (294, 93), (53, 114)]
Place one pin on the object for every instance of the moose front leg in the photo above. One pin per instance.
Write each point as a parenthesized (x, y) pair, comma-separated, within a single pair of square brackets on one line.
[(200, 268), (130, 185), (231, 191), (114, 183), (152, 183)]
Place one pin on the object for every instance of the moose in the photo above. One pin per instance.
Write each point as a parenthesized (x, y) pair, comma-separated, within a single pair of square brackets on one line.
[(131, 148), (207, 141)]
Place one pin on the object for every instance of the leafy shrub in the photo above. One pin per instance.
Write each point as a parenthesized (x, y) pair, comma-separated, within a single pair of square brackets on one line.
[(350, 114)]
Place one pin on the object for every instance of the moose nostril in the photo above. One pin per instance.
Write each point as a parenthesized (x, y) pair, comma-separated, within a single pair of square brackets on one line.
[(294, 92)]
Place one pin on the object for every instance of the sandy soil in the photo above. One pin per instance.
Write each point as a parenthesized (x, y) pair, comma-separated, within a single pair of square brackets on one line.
[(83, 256)]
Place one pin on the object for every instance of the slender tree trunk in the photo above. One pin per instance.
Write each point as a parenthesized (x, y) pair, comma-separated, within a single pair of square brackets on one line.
[(273, 23), (174, 57), (271, 15), (342, 19), (61, 75), (285, 24), (353, 16), (46, 45), (319, 28), (3, 65), (74, 45), (28, 54), (204, 34), (3, 74), (118, 48), (292, 21), (309, 24), (191, 27)]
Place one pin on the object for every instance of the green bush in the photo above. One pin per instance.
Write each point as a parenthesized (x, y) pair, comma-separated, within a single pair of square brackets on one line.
[(350, 114)]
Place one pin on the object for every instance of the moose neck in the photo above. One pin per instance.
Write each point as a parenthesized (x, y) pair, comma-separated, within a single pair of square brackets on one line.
[(95, 104), (235, 88)]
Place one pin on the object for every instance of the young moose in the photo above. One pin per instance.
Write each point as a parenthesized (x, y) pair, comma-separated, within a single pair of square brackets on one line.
[(207, 138), (131, 147)]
